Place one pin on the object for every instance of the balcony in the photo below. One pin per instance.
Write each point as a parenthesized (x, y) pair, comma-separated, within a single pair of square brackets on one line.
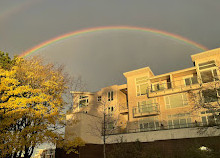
[(146, 110), (174, 87), (123, 108)]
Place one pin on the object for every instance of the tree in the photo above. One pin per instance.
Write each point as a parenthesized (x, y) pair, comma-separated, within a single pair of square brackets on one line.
[(5, 61), (31, 105), (106, 122), (206, 99)]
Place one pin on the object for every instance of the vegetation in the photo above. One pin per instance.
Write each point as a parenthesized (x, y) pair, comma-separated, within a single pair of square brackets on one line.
[(31, 105)]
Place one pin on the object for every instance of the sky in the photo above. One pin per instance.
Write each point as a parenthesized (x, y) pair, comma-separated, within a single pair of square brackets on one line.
[(101, 57)]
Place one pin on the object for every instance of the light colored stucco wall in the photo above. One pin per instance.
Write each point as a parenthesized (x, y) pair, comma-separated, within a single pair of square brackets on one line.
[(163, 135)]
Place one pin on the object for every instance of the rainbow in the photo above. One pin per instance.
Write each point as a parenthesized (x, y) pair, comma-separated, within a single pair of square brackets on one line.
[(105, 28)]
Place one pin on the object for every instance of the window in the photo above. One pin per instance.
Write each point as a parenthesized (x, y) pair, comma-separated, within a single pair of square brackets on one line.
[(141, 85), (99, 98), (209, 75), (191, 80), (83, 101), (210, 117), (208, 71), (110, 96), (157, 87), (176, 100), (211, 95), (110, 110), (206, 65)]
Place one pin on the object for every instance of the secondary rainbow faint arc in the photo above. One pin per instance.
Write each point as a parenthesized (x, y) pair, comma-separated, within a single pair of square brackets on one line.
[(106, 28)]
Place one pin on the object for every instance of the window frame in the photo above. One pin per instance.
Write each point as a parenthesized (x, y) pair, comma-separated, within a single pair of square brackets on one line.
[(138, 85), (158, 86), (110, 95), (208, 69), (217, 95), (82, 98), (190, 79), (184, 102), (99, 98)]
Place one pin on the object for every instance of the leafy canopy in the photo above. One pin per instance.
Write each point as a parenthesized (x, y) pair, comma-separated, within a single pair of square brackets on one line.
[(31, 104)]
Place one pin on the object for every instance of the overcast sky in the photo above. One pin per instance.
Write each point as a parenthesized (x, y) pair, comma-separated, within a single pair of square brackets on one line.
[(101, 57)]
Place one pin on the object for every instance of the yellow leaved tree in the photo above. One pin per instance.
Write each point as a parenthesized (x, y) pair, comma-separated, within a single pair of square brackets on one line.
[(31, 105)]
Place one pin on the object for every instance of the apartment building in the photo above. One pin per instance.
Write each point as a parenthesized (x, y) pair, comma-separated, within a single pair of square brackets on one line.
[(177, 100)]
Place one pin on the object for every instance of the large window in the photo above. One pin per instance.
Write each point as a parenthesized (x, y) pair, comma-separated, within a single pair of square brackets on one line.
[(211, 95), (209, 75), (176, 100), (157, 87), (83, 101), (208, 71), (191, 80), (141, 85), (110, 96), (210, 117)]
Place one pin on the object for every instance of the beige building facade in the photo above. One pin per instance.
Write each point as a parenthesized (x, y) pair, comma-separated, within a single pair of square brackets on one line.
[(176, 100)]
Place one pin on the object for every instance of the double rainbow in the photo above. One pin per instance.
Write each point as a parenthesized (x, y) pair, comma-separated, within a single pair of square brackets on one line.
[(106, 28)]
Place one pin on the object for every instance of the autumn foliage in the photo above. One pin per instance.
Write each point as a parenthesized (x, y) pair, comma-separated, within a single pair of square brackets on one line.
[(31, 105)]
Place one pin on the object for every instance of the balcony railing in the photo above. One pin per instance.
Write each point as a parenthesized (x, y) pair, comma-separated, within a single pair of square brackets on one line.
[(184, 84), (189, 82), (168, 127), (146, 110)]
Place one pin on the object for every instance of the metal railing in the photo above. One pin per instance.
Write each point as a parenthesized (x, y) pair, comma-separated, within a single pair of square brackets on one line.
[(183, 83), (174, 84), (147, 109), (168, 127)]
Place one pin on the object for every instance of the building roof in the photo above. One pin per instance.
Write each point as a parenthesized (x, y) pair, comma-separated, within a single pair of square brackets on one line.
[(206, 54)]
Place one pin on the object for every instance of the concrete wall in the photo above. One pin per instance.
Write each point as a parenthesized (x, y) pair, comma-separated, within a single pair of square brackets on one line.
[(164, 135), (85, 126)]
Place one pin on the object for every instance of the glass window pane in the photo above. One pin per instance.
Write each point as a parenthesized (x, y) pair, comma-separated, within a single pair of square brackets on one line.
[(189, 120), (215, 75), (170, 124), (194, 80), (151, 124), (176, 100), (176, 123), (204, 121), (111, 95), (207, 63), (187, 81), (138, 90), (183, 123), (207, 66), (210, 95), (141, 126), (143, 89), (206, 76), (146, 125)]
